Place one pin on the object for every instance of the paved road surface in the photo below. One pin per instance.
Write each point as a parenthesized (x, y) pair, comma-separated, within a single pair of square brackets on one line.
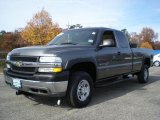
[(127, 100)]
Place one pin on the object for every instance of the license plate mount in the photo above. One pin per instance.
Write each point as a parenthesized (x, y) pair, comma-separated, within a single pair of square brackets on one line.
[(17, 83)]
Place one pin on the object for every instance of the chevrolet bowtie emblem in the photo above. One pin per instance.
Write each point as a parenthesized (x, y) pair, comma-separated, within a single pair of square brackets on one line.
[(19, 63)]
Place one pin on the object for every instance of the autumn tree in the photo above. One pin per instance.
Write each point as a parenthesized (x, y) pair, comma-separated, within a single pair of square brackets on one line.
[(157, 45), (135, 38), (2, 32), (148, 35), (1, 36), (147, 45), (40, 29), (8, 41)]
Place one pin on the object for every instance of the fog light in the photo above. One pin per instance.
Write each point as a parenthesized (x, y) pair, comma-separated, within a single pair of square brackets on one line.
[(49, 69), (57, 69), (45, 69)]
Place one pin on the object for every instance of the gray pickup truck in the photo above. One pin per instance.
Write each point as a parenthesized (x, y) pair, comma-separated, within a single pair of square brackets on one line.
[(75, 62)]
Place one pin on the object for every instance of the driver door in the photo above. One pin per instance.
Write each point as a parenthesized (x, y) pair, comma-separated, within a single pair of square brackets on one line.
[(107, 56)]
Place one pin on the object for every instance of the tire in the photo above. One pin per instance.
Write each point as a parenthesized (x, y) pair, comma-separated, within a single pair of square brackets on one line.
[(80, 89), (156, 63), (143, 75)]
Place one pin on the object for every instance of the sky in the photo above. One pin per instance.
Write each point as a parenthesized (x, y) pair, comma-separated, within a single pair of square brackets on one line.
[(118, 14)]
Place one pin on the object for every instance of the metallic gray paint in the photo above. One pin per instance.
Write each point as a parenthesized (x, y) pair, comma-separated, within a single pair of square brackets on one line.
[(108, 61)]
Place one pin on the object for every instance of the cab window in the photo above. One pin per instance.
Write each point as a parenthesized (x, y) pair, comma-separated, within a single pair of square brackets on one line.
[(108, 39), (122, 40)]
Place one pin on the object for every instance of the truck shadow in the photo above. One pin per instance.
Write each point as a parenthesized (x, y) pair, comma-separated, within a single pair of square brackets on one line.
[(101, 94)]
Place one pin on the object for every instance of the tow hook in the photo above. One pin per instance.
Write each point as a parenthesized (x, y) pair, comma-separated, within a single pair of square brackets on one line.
[(18, 92), (59, 102)]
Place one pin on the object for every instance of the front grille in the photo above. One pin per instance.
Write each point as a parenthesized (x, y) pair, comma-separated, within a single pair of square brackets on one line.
[(24, 58), (20, 75), (27, 70), (24, 70)]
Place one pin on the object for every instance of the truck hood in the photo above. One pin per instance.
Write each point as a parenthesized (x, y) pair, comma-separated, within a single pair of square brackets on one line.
[(52, 50)]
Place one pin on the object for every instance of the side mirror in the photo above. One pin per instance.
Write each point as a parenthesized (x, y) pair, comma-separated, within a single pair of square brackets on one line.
[(107, 43), (133, 45)]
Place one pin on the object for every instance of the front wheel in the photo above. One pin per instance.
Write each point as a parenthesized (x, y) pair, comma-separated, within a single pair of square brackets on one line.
[(143, 75), (80, 89)]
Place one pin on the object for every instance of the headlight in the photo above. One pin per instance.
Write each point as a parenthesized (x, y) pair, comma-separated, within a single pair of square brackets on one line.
[(8, 58), (8, 66), (50, 59)]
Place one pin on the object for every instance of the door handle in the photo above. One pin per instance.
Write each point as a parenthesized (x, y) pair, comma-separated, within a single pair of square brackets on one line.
[(118, 53)]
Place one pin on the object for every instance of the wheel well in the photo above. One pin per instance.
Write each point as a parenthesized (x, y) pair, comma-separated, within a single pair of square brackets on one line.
[(147, 62), (88, 67)]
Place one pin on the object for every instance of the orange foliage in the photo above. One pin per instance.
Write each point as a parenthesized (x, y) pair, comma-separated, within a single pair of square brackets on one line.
[(40, 30), (147, 45)]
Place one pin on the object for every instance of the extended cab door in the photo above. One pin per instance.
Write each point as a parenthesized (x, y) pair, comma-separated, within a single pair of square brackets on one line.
[(125, 53)]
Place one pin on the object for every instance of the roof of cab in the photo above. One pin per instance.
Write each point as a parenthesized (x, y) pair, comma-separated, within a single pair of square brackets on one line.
[(98, 28)]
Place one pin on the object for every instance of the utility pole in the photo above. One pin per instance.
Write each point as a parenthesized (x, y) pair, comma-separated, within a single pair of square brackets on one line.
[(68, 26)]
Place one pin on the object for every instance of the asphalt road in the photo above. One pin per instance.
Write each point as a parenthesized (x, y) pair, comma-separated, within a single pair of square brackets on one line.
[(127, 100)]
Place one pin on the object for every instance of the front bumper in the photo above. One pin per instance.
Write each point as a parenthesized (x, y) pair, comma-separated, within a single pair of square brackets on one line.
[(51, 88)]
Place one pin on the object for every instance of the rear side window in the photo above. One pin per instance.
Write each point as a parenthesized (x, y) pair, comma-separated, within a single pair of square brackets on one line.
[(122, 40)]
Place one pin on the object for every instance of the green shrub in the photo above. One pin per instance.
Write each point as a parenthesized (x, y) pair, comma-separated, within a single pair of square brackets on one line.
[(3, 55), (2, 64), (2, 60)]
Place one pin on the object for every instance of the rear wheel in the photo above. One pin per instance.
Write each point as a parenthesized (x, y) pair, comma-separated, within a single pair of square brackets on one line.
[(80, 89), (143, 75)]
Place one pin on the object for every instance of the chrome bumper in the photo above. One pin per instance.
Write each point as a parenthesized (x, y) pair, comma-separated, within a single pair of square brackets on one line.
[(55, 89)]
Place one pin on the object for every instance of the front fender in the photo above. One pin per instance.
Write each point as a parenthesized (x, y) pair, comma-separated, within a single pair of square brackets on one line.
[(73, 62)]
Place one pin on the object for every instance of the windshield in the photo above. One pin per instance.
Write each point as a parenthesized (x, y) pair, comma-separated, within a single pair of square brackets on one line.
[(74, 37)]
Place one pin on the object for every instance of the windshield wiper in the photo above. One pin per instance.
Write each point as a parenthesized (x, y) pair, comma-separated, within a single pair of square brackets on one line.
[(52, 44), (69, 43)]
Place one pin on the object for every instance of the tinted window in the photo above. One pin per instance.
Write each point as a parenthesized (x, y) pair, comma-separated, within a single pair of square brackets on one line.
[(122, 40), (76, 36)]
